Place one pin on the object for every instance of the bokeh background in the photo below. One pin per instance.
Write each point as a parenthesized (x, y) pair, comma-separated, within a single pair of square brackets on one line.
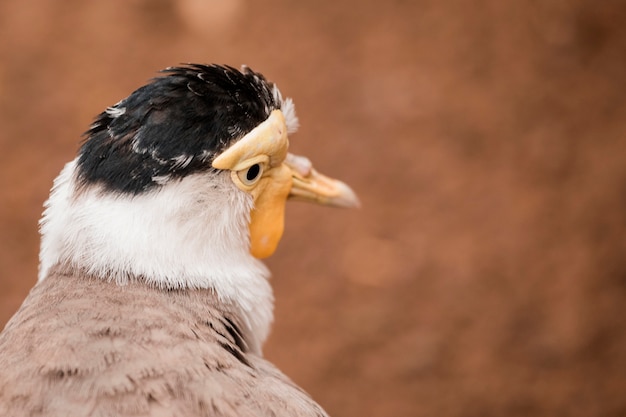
[(485, 274)]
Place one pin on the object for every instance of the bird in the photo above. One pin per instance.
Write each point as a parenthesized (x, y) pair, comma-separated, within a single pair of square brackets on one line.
[(152, 298)]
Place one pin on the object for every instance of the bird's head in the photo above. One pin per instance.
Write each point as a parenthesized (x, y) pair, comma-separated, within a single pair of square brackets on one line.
[(183, 184), (260, 165)]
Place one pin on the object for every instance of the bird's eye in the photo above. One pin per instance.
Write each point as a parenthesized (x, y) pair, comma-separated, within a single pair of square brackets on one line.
[(251, 174)]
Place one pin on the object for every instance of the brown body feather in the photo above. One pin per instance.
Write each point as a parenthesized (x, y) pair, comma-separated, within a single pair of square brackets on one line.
[(81, 346)]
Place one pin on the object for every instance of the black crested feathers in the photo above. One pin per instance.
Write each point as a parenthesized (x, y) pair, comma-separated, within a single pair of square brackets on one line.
[(173, 126)]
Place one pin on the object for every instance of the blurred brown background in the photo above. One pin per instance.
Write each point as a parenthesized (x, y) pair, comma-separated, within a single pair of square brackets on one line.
[(485, 274)]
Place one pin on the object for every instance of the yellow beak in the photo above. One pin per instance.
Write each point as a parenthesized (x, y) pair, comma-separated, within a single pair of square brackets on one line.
[(309, 185)]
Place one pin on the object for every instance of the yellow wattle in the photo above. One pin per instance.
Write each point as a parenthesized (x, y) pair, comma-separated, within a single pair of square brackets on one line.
[(267, 218), (266, 229)]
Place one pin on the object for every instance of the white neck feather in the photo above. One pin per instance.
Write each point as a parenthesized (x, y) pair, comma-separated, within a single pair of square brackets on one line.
[(191, 233)]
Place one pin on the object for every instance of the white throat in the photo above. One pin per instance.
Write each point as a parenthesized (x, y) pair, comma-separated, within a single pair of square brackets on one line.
[(191, 233)]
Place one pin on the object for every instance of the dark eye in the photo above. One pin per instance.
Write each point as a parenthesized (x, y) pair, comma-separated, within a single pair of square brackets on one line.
[(251, 174)]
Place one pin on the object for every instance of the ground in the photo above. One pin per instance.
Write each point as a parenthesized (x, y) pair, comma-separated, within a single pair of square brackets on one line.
[(485, 274)]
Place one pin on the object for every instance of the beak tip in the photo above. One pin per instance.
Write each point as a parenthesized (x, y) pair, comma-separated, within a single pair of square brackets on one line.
[(346, 197)]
